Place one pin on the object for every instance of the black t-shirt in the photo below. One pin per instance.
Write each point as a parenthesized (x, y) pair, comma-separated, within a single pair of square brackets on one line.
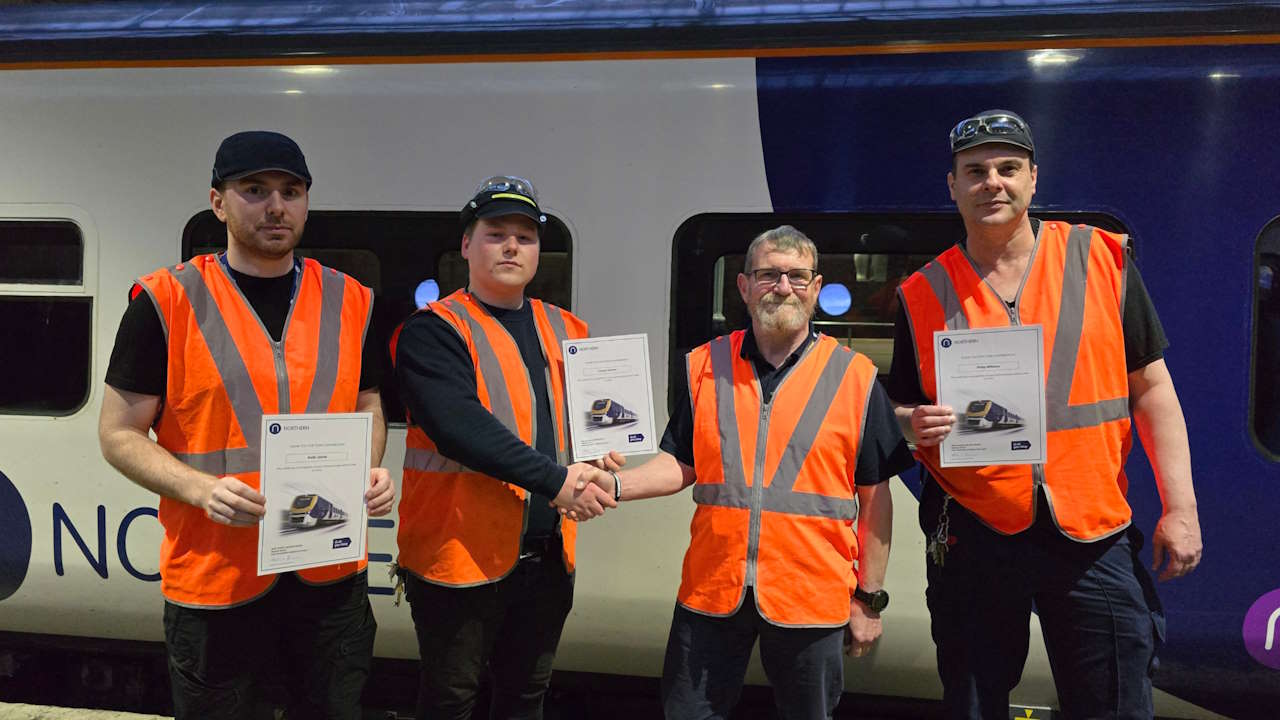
[(438, 387), (882, 451), (140, 359), (1144, 339)]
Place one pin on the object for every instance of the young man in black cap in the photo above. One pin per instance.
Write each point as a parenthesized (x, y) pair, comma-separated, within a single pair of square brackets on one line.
[(487, 560), (1058, 535), (205, 349)]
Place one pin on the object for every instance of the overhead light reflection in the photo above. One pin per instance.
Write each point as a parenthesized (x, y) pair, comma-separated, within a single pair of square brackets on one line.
[(292, 92), (718, 86), (1220, 75), (1049, 58), (311, 70)]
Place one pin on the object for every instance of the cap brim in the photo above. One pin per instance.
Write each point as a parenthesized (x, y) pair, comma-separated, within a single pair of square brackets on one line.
[(247, 173), (498, 208)]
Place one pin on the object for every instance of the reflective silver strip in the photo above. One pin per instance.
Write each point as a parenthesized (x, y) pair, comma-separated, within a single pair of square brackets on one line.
[(231, 369), (779, 495), (945, 291), (223, 462), (1059, 415), (733, 492), (329, 348), (164, 322), (431, 461), (499, 398), (555, 318)]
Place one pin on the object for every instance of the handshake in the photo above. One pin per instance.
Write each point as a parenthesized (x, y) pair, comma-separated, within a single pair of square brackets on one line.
[(589, 488)]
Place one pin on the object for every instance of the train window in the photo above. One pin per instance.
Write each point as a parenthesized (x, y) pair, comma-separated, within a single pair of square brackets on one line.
[(1264, 395), (46, 359), (41, 252), (408, 258), (862, 257)]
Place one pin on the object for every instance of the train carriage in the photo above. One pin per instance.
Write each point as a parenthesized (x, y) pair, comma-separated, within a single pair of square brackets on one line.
[(311, 510), (662, 136)]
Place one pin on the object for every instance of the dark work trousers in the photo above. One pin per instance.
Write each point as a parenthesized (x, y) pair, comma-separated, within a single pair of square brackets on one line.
[(317, 640), (707, 659), (511, 627), (1099, 613)]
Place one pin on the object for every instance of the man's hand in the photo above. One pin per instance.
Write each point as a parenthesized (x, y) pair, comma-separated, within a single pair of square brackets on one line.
[(227, 501), (1177, 537), (931, 423), (381, 494), (582, 496), (864, 629), (613, 461)]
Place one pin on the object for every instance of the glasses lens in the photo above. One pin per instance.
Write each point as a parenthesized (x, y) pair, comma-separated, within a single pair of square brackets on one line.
[(767, 276), (1003, 125), (508, 183), (799, 277)]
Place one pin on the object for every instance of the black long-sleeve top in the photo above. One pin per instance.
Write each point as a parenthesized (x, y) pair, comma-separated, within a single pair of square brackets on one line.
[(438, 387)]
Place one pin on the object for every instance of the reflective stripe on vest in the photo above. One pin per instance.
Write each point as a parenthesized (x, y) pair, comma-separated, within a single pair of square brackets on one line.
[(1088, 439)]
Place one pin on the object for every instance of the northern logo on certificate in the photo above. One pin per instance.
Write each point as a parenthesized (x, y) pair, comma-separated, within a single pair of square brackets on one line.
[(609, 390)]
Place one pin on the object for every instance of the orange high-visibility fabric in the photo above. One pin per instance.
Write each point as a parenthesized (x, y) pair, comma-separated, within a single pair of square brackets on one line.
[(1074, 289), (775, 483), (459, 527), (224, 374)]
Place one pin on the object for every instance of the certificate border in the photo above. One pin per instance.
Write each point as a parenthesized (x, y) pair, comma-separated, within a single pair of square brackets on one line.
[(361, 546), (1043, 456), (651, 443)]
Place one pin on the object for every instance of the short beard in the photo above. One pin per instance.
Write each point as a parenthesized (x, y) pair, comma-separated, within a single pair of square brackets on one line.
[(780, 317)]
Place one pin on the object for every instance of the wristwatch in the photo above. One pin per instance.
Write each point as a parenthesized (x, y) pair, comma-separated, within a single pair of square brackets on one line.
[(875, 601)]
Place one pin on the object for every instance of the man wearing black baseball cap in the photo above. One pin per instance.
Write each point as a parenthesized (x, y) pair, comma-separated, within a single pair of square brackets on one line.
[(1058, 536), (205, 349), (486, 559)]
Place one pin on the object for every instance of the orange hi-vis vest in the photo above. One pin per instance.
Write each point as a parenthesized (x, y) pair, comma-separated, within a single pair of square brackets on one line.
[(224, 373), (775, 483), (459, 527), (1074, 288)]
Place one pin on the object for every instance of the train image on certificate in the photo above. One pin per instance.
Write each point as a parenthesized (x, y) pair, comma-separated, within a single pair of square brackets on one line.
[(312, 510), (610, 412), (988, 415)]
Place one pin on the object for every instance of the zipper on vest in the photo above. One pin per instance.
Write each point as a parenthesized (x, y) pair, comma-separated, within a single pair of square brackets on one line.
[(1037, 471), (282, 374), (757, 492)]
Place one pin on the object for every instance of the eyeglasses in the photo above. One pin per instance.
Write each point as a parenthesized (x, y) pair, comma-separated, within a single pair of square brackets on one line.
[(992, 124), (799, 278), (508, 184)]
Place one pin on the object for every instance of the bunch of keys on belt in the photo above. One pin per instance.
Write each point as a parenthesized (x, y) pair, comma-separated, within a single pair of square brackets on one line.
[(938, 545)]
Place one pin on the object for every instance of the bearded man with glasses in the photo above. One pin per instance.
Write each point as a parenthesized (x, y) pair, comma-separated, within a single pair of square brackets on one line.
[(787, 439), (1057, 536)]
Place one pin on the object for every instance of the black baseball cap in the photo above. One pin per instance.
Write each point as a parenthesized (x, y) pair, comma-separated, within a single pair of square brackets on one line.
[(992, 126), (254, 151), (504, 195)]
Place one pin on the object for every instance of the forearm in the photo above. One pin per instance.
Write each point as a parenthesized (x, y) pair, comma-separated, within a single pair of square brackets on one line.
[(661, 476), (875, 533), (140, 459), (1157, 415), (902, 413)]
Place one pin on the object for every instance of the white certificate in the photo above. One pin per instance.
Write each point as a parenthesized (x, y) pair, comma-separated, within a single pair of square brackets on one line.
[(610, 395), (315, 470), (994, 380)]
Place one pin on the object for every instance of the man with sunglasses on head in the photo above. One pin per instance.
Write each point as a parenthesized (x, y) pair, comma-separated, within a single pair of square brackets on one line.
[(788, 441), (486, 557), (1058, 536), (205, 349)]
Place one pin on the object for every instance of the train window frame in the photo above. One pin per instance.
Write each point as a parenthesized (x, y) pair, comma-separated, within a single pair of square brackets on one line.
[(703, 240), (61, 293), (409, 241), (1266, 244), (43, 232)]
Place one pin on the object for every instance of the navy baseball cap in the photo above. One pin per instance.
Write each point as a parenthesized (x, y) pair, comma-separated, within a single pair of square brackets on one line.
[(992, 126), (504, 195), (254, 151)]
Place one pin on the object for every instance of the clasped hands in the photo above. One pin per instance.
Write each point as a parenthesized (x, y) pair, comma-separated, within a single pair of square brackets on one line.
[(589, 488)]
